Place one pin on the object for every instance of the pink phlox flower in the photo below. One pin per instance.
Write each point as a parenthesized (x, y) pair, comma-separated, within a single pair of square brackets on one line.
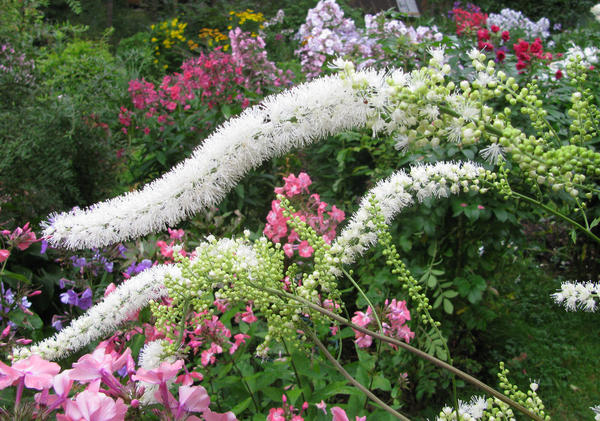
[(276, 414), (292, 185), (338, 414), (248, 316), (110, 288), (93, 406), (404, 332), (176, 234), (187, 379), (305, 249), (193, 399), (208, 415), (208, 356), (158, 375), (62, 384), (288, 249), (35, 372), (304, 181), (362, 319), (99, 364), (338, 215), (4, 254), (221, 305), (397, 311), (240, 338), (293, 236), (322, 406), (22, 238), (166, 249)]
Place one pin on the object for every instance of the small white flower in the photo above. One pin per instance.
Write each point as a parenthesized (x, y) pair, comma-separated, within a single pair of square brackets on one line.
[(493, 153)]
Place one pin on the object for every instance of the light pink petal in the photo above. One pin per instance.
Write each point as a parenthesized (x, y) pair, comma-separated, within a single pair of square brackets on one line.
[(215, 416), (62, 383), (39, 381), (338, 414), (194, 398)]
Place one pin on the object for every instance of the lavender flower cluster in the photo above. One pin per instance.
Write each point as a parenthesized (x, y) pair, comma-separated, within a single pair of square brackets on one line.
[(509, 19), (327, 32), (15, 68)]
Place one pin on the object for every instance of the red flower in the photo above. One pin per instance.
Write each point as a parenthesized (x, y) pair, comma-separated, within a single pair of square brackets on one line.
[(485, 46), (558, 74), (495, 28), (483, 34), (500, 55), (505, 36), (521, 65)]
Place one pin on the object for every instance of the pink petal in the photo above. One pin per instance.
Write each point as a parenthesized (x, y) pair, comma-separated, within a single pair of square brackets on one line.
[(194, 398), (338, 414)]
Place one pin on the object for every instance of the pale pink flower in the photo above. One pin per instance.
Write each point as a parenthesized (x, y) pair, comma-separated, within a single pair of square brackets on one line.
[(338, 414), (91, 405), (158, 375), (35, 372), (322, 406)]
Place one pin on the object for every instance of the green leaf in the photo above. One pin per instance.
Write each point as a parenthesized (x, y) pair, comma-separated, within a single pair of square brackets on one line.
[(240, 407), (432, 281), (450, 293), (161, 157), (501, 214), (380, 382), (137, 343), (448, 306), (594, 222), (16, 276)]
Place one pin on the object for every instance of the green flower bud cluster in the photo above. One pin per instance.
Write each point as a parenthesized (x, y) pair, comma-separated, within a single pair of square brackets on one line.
[(320, 284), (240, 271), (423, 108), (529, 400), (406, 280), (584, 112)]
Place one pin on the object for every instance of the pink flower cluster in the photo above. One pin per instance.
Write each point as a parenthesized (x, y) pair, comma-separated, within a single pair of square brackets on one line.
[(287, 412), (100, 396), (393, 320), (21, 238), (211, 79), (311, 210), (249, 54)]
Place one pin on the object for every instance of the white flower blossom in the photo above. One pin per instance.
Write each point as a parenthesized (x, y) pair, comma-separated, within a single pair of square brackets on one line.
[(396, 193), (104, 318), (292, 119), (578, 295)]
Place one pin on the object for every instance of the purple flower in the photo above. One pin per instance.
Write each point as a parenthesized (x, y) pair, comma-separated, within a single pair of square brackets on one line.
[(122, 249), (143, 265), (44, 246), (57, 323), (108, 266), (78, 262), (70, 297), (85, 300)]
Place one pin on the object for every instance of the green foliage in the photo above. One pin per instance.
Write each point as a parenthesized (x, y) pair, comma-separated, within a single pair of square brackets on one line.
[(60, 129)]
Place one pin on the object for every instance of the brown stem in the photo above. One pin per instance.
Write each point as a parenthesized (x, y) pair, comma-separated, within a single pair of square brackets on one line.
[(352, 380), (477, 383)]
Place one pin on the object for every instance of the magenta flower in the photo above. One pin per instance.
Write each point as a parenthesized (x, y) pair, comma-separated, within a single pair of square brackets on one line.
[(248, 316)]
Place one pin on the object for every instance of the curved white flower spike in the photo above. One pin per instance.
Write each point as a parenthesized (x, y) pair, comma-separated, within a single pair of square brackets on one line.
[(291, 119), (106, 316)]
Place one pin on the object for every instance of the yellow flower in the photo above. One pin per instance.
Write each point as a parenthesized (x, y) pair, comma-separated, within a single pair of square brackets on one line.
[(153, 39)]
